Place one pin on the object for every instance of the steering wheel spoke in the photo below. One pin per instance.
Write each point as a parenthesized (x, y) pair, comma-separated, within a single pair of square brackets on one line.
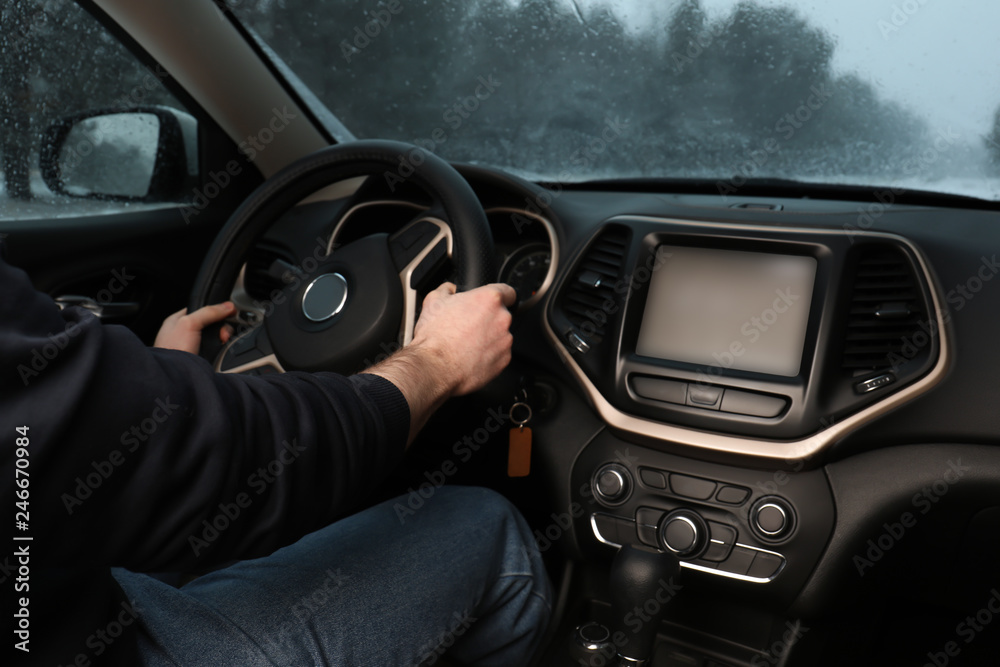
[(249, 353), (418, 250)]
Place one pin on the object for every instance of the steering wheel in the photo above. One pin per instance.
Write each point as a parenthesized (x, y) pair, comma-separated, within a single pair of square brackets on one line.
[(360, 301)]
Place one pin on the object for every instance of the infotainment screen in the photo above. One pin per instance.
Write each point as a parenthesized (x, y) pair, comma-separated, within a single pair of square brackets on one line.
[(728, 308)]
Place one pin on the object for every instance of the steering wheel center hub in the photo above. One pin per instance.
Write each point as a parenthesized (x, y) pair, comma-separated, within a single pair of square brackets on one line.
[(324, 297)]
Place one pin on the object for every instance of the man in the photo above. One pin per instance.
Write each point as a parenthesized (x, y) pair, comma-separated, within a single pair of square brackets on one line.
[(146, 460)]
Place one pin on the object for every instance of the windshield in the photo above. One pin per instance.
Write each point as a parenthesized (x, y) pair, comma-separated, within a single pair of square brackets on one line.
[(900, 94)]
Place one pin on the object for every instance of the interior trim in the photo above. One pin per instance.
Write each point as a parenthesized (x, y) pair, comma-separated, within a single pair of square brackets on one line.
[(783, 450), (550, 277)]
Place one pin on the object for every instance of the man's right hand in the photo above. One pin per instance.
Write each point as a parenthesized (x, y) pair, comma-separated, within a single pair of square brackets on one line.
[(460, 342), (469, 332)]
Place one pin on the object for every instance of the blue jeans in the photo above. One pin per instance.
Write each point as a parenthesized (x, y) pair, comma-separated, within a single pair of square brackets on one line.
[(382, 587)]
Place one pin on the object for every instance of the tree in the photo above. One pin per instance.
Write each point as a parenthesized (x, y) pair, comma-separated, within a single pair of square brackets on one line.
[(993, 139)]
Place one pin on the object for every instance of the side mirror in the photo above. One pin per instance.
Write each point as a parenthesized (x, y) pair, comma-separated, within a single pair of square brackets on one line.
[(147, 154)]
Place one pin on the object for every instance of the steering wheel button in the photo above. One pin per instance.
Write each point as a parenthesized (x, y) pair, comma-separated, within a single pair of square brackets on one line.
[(692, 487)]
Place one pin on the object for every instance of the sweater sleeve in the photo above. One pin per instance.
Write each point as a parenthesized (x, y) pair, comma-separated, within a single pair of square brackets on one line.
[(147, 459)]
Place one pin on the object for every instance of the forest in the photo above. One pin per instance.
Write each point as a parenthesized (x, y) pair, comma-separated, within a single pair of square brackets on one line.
[(751, 93)]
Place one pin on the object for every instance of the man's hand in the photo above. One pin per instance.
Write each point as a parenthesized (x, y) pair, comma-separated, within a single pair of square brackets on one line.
[(461, 342), (468, 332), (181, 331)]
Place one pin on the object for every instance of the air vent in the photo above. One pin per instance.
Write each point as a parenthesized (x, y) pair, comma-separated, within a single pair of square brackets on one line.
[(266, 268), (593, 284), (885, 312)]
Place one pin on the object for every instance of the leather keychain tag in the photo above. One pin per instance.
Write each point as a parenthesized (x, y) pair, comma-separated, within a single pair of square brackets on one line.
[(519, 452)]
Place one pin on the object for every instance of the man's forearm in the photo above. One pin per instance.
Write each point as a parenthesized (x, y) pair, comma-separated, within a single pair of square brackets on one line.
[(422, 375)]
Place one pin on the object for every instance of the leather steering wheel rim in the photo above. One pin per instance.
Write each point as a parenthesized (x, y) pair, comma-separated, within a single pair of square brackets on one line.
[(472, 243)]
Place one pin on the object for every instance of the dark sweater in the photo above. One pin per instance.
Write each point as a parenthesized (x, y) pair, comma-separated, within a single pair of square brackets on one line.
[(146, 459)]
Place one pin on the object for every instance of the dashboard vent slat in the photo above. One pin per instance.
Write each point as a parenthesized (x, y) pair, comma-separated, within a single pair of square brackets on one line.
[(886, 310), (583, 303)]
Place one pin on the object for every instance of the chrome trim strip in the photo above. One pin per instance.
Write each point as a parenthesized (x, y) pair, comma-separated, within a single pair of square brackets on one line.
[(786, 451), (702, 568)]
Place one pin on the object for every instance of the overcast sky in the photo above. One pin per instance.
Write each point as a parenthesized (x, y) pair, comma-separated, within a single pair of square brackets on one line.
[(943, 62)]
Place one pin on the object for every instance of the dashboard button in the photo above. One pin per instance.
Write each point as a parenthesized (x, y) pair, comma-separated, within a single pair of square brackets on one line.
[(625, 529), (648, 516), (683, 532), (607, 527), (577, 342), (733, 495), (653, 478), (612, 484), (692, 487), (765, 565), (668, 391), (750, 403), (704, 396), (772, 518), (721, 541), (739, 561), (647, 534)]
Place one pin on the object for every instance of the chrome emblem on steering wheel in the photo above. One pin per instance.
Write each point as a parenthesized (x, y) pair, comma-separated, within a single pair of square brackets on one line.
[(324, 297)]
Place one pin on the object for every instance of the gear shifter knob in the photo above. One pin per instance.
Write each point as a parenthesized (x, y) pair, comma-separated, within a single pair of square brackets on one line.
[(642, 582)]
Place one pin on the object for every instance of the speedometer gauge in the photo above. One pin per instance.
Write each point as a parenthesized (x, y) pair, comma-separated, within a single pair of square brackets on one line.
[(525, 270)]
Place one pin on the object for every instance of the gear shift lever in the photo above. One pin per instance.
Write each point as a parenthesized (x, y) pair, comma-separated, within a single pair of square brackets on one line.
[(642, 583)]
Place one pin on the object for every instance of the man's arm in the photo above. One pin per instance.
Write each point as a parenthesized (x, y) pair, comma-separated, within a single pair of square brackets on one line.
[(146, 458)]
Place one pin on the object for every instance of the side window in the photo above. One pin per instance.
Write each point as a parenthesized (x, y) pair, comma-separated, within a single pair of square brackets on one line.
[(85, 127)]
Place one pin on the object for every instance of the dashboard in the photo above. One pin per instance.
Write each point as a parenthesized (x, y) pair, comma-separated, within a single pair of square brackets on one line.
[(758, 385)]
